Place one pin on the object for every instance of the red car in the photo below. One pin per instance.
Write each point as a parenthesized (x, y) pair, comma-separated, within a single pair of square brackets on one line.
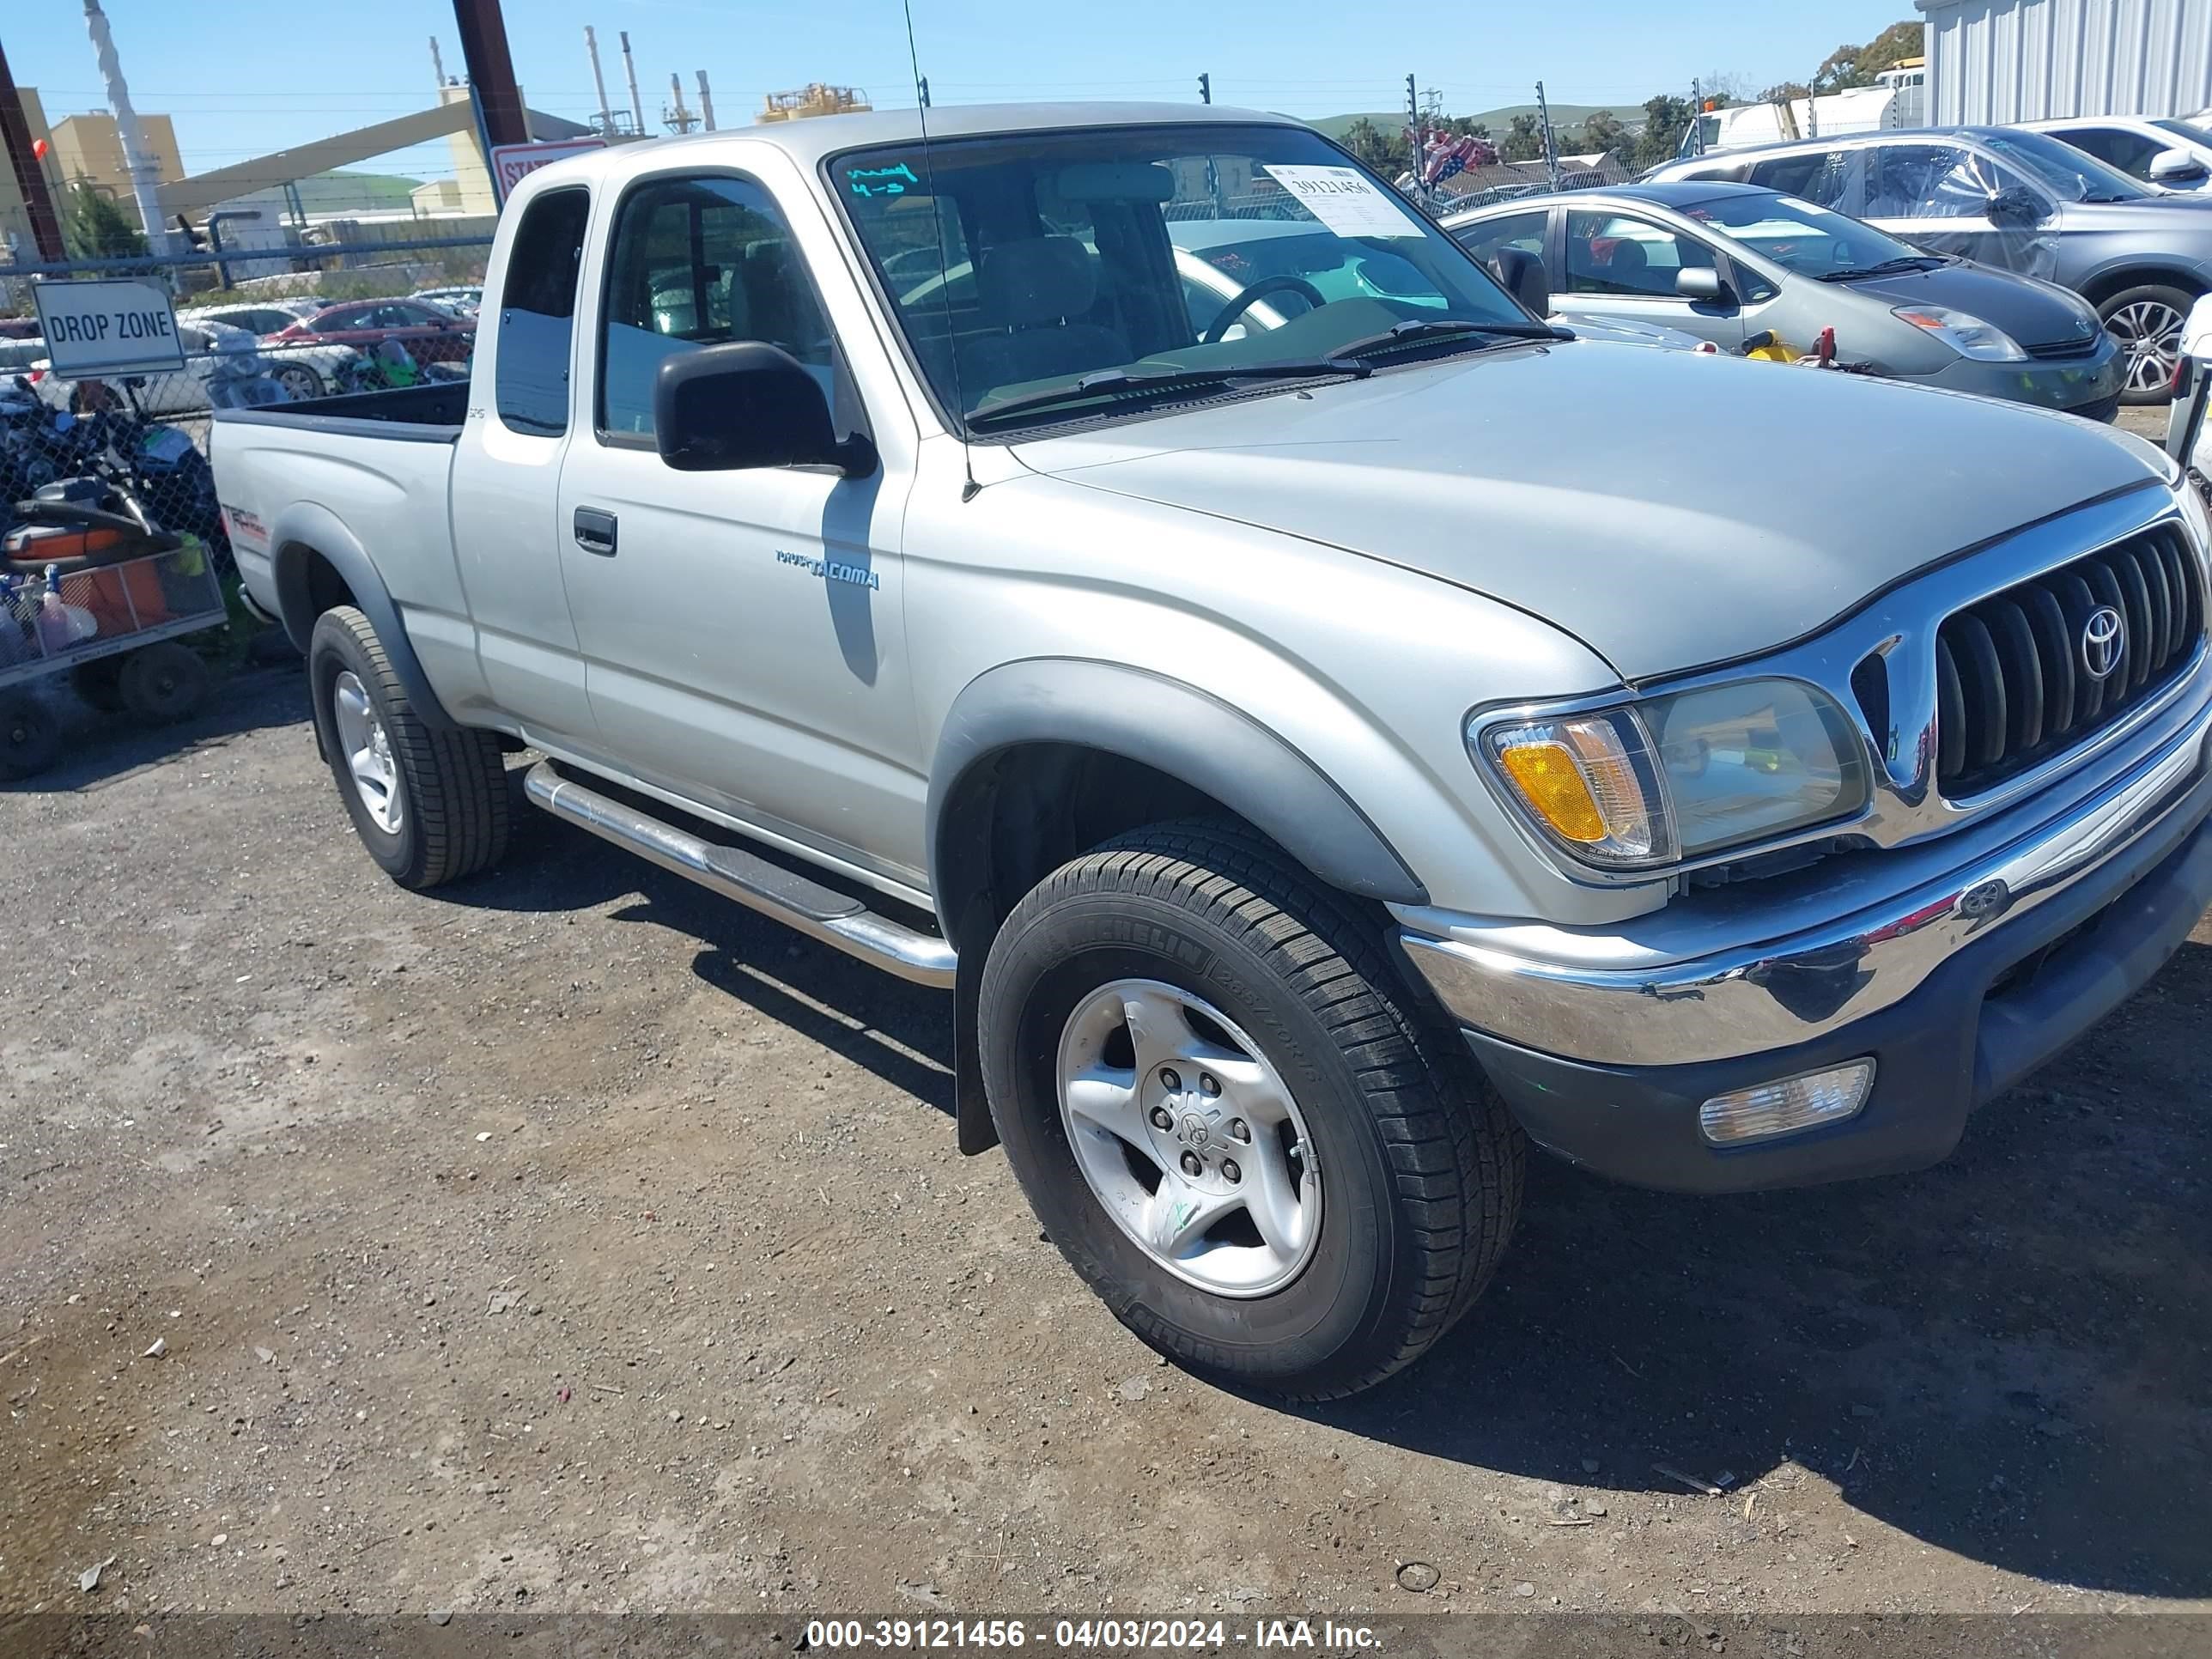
[(431, 335)]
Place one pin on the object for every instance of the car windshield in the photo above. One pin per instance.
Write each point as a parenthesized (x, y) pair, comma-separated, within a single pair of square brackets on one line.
[(1018, 264), (1798, 236), (2072, 175), (2195, 135)]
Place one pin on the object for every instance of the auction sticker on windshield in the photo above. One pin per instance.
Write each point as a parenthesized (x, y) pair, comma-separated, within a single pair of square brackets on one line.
[(107, 328), (1344, 199)]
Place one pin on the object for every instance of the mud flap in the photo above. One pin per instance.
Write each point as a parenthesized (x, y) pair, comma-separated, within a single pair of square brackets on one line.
[(971, 1108)]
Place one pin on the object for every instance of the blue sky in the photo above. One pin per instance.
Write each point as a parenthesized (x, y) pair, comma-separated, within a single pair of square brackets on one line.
[(240, 77)]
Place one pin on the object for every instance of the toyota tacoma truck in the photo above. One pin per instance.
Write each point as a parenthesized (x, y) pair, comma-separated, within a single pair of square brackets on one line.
[(1324, 739)]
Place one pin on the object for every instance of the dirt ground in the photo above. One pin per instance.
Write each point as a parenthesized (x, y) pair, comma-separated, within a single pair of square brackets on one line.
[(570, 1241)]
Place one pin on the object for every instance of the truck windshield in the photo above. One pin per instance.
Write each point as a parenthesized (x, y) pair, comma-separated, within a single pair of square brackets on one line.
[(1020, 263)]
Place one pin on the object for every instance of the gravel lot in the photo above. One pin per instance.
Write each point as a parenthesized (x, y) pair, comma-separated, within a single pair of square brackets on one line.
[(570, 1241)]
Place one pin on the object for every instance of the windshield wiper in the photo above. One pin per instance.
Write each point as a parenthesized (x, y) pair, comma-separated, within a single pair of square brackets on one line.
[(1887, 268), (1415, 329), (1176, 380)]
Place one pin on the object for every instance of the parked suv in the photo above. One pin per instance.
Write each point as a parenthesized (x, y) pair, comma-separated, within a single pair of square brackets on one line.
[(2019, 200), (1730, 262)]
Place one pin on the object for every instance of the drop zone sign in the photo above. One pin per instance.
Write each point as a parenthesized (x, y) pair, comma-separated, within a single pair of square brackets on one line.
[(103, 328)]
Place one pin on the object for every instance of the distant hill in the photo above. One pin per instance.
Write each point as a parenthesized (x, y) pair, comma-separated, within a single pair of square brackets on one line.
[(1563, 115), (356, 192)]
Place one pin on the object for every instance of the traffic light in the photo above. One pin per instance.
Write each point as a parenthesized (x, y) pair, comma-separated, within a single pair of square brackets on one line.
[(1204, 88)]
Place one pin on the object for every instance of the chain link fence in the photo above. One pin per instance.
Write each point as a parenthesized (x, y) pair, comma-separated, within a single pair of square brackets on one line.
[(258, 326)]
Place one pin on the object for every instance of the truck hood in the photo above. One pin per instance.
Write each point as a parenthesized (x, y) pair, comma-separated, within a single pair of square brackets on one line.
[(1668, 510)]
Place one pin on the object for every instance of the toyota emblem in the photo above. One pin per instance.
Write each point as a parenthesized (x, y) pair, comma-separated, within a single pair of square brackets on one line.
[(2103, 641)]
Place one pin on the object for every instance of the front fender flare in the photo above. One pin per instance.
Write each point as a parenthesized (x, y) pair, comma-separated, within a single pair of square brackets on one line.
[(306, 529), (1173, 727)]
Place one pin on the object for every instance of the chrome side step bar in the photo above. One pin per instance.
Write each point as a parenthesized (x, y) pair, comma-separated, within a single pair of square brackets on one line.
[(821, 912)]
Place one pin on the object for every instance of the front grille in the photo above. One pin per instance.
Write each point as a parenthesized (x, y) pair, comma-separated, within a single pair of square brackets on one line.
[(2060, 351), (2013, 684)]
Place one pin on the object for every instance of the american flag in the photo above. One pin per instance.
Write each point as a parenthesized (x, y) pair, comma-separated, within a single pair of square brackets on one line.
[(1446, 156)]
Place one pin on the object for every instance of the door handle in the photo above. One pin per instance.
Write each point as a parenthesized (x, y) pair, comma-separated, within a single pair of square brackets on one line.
[(595, 532)]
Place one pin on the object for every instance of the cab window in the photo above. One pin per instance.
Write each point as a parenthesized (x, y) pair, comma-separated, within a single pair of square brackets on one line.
[(1613, 254), (1524, 231), (537, 314), (695, 262)]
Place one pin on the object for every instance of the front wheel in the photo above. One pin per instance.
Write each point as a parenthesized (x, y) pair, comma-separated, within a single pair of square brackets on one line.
[(2147, 322), (1228, 1116)]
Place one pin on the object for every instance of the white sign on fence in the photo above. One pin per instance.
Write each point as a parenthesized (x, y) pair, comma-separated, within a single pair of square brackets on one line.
[(100, 328), (511, 163)]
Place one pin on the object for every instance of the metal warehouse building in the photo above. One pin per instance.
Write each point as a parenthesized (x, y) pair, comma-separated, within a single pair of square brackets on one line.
[(2023, 60)]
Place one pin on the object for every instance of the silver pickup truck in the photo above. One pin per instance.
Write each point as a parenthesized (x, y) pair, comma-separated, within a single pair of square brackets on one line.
[(1323, 736)]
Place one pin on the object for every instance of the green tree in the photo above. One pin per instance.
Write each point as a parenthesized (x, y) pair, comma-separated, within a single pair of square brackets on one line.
[(95, 227), (1857, 66), (1782, 89), (1382, 150), (1604, 133), (1524, 139), (1665, 120)]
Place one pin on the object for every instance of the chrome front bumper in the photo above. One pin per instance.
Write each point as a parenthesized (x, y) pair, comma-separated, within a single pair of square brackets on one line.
[(1619, 999)]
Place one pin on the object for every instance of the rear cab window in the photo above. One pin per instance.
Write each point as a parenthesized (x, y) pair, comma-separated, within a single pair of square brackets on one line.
[(537, 318)]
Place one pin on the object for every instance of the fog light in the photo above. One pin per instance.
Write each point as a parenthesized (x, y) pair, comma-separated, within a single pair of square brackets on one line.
[(1787, 1104)]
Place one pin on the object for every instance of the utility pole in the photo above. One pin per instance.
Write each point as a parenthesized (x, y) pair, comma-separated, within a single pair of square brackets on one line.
[(437, 64), (491, 74), (30, 175), (1204, 88), (1697, 117), (599, 83), (629, 68), (1551, 147), (706, 103), (145, 177)]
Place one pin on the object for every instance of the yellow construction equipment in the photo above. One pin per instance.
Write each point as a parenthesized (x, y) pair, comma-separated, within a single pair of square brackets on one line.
[(815, 98)]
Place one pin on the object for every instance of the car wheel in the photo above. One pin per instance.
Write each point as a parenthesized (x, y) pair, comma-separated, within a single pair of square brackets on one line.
[(1229, 1117), (30, 736), (300, 382), (2147, 322), (429, 803), (162, 682)]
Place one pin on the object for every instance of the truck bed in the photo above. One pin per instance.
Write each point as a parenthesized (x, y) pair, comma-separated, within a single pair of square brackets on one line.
[(431, 413)]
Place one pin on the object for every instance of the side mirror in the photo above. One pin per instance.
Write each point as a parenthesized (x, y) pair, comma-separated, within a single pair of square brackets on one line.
[(1700, 283), (2177, 166), (2017, 206), (1521, 275), (2192, 384), (748, 404)]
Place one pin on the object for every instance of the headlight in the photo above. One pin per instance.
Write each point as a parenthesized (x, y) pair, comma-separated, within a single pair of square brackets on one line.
[(1970, 336), (1682, 776)]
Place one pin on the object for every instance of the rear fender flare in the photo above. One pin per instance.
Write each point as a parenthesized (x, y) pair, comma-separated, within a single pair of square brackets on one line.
[(307, 529)]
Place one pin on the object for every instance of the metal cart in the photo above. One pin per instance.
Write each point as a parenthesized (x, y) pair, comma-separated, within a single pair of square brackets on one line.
[(111, 618)]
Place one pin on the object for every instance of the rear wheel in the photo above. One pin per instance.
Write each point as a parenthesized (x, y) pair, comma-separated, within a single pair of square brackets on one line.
[(163, 682), (2147, 322), (429, 803), (30, 737), (1229, 1117), (299, 382)]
